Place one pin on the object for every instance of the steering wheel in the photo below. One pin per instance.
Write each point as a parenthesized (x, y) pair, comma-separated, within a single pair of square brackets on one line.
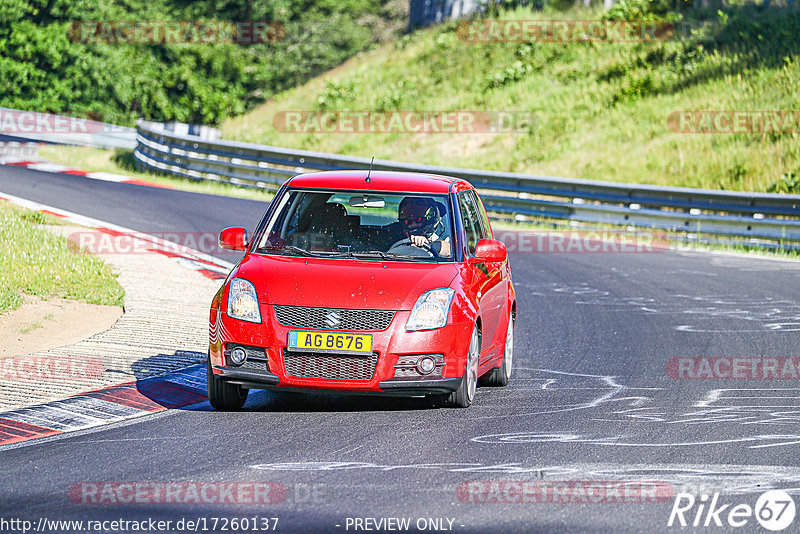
[(404, 246)]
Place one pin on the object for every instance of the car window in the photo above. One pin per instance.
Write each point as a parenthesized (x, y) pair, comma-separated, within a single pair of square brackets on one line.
[(359, 225), (471, 218), (486, 230)]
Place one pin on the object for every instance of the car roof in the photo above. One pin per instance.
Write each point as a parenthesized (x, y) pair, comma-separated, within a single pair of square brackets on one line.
[(387, 181)]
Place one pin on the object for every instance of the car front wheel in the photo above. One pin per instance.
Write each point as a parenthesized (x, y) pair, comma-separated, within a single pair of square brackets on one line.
[(502, 375), (462, 397), (222, 395)]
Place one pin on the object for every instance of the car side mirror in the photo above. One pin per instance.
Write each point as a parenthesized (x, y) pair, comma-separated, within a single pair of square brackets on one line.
[(490, 251), (233, 238)]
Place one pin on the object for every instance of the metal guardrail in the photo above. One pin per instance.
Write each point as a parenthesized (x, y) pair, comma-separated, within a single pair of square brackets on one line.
[(752, 215)]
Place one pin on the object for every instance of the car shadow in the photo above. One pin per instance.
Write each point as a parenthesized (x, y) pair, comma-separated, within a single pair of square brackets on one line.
[(302, 402), (185, 389), (171, 381)]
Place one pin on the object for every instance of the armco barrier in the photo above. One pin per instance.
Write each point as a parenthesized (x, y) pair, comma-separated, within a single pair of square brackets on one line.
[(752, 215)]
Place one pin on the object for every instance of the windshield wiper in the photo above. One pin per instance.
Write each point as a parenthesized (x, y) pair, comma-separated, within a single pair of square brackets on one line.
[(351, 254), (392, 256), (297, 250)]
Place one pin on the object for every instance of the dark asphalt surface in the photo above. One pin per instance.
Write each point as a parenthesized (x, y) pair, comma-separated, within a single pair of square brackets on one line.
[(590, 400)]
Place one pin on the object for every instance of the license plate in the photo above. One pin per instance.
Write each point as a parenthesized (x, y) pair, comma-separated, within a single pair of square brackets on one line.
[(330, 341)]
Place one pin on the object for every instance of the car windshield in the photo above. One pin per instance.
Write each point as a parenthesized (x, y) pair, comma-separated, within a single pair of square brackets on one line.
[(369, 226)]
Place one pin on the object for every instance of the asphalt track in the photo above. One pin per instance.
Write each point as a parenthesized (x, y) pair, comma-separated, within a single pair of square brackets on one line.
[(590, 400)]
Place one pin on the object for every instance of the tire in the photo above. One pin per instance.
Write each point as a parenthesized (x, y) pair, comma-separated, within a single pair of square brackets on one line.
[(221, 394), (463, 396), (502, 375)]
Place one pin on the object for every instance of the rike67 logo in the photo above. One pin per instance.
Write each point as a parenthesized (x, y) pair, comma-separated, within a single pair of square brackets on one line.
[(774, 510)]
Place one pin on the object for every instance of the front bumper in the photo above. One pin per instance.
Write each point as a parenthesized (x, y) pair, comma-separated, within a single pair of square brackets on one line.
[(415, 387), (399, 388), (390, 345)]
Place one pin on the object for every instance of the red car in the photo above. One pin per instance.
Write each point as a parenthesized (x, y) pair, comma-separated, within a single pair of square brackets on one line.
[(358, 282)]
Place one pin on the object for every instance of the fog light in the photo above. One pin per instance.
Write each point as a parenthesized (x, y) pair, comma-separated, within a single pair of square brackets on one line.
[(238, 356), (426, 365)]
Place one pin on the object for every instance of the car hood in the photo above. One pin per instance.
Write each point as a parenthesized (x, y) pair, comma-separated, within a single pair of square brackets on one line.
[(341, 283)]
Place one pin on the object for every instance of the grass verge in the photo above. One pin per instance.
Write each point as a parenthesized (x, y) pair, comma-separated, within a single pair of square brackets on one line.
[(600, 110), (37, 262)]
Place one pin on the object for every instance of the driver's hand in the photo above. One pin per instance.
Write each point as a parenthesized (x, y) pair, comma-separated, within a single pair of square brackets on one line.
[(419, 240)]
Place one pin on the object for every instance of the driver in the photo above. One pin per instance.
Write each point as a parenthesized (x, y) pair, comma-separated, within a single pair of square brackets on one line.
[(422, 224)]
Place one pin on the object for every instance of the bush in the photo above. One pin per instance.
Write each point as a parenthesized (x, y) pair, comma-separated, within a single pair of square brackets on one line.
[(639, 10), (41, 69), (788, 183)]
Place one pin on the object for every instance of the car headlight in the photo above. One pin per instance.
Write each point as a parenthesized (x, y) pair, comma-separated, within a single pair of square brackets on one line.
[(431, 310), (242, 301)]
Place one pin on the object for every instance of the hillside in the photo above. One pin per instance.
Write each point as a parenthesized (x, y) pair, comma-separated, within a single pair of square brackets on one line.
[(600, 110), (81, 57)]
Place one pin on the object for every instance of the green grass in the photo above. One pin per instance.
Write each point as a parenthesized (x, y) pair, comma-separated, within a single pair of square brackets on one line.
[(120, 161), (600, 108), (34, 261)]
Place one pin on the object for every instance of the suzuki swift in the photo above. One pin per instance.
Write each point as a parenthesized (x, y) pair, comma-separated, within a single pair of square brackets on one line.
[(366, 283)]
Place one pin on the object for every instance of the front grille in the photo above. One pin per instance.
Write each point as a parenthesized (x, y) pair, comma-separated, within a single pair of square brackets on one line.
[(333, 318), (330, 366), (254, 365)]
